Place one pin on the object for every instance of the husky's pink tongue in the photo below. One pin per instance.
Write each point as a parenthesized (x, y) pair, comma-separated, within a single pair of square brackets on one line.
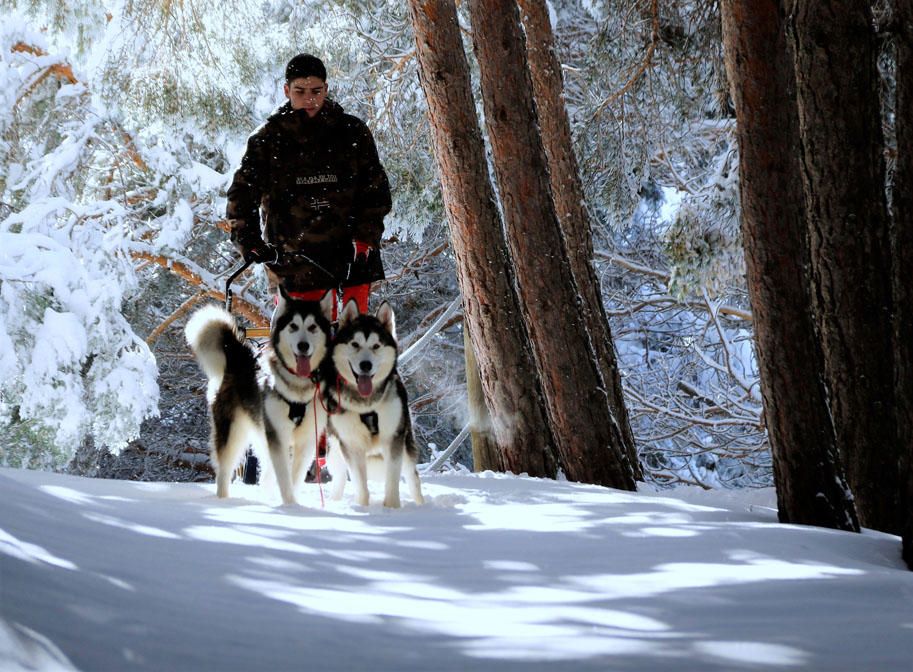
[(365, 385), (303, 365)]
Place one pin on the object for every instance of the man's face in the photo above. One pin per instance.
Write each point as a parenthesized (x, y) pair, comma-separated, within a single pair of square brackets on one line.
[(306, 93)]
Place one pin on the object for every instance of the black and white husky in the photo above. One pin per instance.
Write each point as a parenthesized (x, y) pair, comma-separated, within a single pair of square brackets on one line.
[(267, 400), (370, 428)]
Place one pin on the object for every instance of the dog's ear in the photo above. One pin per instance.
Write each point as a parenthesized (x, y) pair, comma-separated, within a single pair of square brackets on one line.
[(282, 297), (385, 315), (349, 313), (328, 304)]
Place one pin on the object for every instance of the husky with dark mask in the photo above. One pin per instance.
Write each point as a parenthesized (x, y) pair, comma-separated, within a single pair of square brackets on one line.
[(267, 401), (370, 429)]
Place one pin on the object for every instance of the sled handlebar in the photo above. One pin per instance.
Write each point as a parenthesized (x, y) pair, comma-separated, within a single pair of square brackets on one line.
[(249, 332), (286, 256), (231, 278)]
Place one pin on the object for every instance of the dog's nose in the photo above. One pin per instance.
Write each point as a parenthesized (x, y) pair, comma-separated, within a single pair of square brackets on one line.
[(304, 347), (365, 366)]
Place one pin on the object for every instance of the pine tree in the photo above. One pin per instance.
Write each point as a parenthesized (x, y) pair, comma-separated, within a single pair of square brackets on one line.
[(490, 304), (809, 478), (902, 193), (577, 403), (843, 173)]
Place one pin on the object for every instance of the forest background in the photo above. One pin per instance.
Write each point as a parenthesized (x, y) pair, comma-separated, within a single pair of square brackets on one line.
[(122, 125)]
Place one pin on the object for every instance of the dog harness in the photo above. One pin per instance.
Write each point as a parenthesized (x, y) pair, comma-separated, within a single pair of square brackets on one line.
[(370, 421), (296, 409)]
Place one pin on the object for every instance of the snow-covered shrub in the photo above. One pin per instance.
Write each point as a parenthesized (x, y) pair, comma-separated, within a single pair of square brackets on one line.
[(704, 242), (72, 365)]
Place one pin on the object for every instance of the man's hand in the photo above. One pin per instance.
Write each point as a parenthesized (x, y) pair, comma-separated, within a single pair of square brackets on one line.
[(362, 250), (262, 254)]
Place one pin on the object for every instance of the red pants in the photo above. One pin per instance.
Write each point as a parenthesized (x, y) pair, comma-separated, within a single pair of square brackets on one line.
[(357, 292)]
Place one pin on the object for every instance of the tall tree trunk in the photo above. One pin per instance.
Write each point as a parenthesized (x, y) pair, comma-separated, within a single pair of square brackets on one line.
[(490, 304), (570, 206), (809, 479), (842, 165), (588, 447), (903, 264)]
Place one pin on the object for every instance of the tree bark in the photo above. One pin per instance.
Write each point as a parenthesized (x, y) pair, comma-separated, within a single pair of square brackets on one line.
[(809, 479), (570, 207), (842, 166), (577, 402), (902, 201), (490, 304)]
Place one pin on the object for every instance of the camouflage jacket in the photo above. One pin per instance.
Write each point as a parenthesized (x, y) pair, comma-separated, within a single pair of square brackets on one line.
[(319, 185)]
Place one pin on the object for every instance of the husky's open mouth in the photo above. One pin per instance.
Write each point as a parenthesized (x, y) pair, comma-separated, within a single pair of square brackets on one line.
[(363, 381)]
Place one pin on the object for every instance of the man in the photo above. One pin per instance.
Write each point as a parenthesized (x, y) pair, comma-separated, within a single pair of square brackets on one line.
[(313, 172)]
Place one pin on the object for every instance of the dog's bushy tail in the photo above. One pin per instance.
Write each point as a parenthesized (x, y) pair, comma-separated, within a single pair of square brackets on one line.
[(213, 335)]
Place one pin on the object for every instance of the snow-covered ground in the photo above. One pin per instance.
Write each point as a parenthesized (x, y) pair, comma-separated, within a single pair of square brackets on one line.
[(494, 573)]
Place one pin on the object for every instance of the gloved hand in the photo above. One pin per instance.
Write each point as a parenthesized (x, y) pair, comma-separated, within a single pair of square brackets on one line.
[(362, 250), (262, 254)]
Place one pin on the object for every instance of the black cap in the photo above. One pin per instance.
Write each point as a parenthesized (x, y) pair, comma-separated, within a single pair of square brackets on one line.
[(305, 65)]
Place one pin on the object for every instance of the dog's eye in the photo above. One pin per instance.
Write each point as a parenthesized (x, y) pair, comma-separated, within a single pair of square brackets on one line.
[(293, 327), (376, 346), (356, 346), (312, 328)]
